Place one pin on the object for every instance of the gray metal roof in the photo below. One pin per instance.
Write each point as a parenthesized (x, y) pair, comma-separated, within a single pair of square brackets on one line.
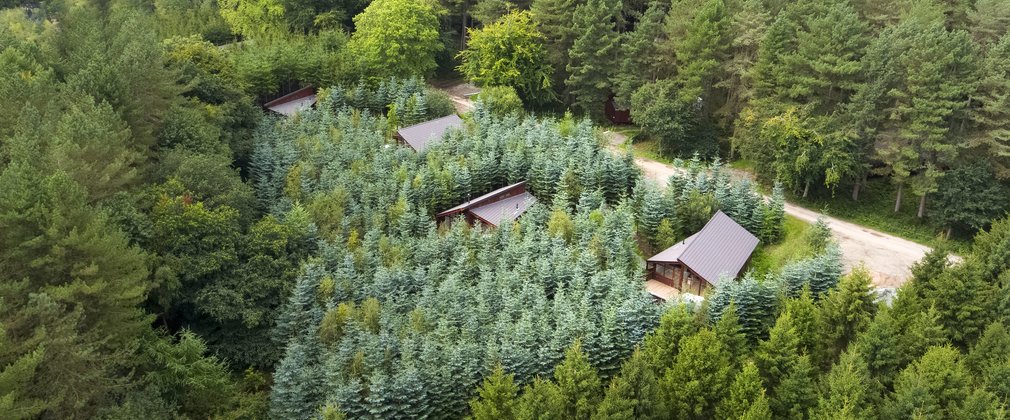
[(672, 254), (478, 200), (293, 102), (506, 210), (421, 135), (721, 248)]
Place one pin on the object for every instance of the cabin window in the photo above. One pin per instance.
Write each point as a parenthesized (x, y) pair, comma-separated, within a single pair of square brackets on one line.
[(666, 271)]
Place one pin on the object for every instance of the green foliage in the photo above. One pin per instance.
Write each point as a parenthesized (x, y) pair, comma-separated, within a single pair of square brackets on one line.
[(500, 100), (396, 38), (591, 58), (257, 19), (579, 384), (933, 386), (699, 378), (495, 397), (847, 310), (665, 114), (968, 199), (509, 52), (744, 393)]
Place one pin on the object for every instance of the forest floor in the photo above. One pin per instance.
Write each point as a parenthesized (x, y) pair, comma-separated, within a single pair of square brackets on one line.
[(459, 92), (888, 258)]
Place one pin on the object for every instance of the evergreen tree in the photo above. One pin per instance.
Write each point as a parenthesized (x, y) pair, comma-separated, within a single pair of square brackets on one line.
[(797, 392), (727, 328), (592, 56), (777, 356), (846, 311), (639, 61), (848, 391), (579, 383), (933, 386), (701, 49), (541, 399), (990, 134), (699, 378), (631, 394), (744, 392), (496, 396), (663, 344)]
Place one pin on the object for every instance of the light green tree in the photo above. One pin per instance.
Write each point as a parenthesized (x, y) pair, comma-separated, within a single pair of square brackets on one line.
[(509, 52), (396, 38)]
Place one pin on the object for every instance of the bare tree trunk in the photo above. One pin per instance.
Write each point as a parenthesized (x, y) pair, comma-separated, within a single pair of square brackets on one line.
[(897, 202), (949, 229), (855, 191), (922, 206), (806, 189), (462, 29)]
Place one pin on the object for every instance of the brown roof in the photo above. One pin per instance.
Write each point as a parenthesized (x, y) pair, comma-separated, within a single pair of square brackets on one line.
[(293, 102), (419, 136), (721, 248)]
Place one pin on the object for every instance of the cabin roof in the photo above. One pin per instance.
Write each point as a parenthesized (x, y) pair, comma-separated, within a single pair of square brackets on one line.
[(476, 202), (293, 102), (507, 210), (721, 248), (419, 136)]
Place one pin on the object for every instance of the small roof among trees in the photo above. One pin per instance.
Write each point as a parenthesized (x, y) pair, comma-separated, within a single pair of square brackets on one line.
[(502, 205), (293, 102), (419, 136), (720, 248)]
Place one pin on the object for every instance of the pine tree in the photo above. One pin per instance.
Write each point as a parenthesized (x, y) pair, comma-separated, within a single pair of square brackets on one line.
[(662, 345), (846, 311), (796, 394), (540, 399), (933, 386), (992, 349), (747, 28), (496, 396), (774, 216), (990, 135), (639, 61), (592, 56), (744, 392), (727, 328), (579, 383), (633, 393), (701, 49), (777, 356), (848, 392), (699, 378), (880, 347), (555, 17)]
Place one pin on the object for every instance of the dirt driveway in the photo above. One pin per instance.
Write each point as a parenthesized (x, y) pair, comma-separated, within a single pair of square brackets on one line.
[(888, 258)]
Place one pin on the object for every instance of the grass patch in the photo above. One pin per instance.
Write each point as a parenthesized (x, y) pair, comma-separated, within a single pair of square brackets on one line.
[(743, 165), (649, 149), (875, 209), (771, 258)]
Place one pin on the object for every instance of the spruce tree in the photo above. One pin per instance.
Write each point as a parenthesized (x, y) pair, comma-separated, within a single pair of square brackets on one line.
[(662, 345), (777, 356), (633, 393), (639, 61)]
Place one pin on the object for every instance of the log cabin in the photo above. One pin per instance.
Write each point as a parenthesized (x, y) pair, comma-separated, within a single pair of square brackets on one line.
[(718, 251), (421, 135), (503, 205)]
